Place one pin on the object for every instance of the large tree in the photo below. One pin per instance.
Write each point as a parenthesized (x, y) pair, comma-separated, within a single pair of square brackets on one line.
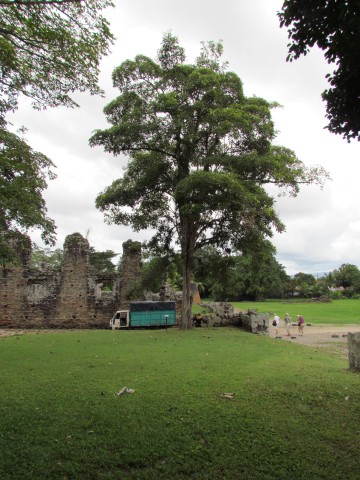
[(200, 156), (333, 26), (48, 50)]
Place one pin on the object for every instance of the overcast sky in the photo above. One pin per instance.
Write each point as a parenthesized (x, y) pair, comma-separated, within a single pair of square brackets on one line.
[(322, 226)]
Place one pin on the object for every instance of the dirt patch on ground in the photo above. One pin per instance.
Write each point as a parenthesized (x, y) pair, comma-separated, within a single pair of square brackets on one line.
[(8, 332), (319, 336), (314, 335)]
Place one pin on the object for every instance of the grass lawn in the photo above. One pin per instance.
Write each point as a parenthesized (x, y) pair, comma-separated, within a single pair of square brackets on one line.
[(337, 312), (295, 413)]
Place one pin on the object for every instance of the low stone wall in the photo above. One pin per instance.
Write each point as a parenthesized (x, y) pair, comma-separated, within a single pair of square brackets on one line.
[(255, 322), (222, 314), (354, 351)]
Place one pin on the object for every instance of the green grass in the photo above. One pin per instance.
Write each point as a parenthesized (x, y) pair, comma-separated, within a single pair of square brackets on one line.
[(339, 312), (295, 414)]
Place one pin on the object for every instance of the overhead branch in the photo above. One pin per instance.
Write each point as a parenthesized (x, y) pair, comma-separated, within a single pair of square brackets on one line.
[(6, 3)]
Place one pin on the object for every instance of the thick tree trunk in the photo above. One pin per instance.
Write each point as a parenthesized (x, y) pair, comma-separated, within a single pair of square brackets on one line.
[(186, 313), (187, 252)]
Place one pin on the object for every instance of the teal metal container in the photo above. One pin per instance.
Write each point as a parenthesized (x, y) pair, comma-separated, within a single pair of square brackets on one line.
[(152, 314)]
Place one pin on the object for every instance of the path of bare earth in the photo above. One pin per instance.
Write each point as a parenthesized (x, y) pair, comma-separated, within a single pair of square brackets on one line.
[(7, 332), (316, 335)]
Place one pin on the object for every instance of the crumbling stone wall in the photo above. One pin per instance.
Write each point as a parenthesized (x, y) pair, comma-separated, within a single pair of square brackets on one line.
[(130, 272), (13, 283), (223, 314), (68, 297), (75, 293), (354, 351), (71, 296), (254, 322)]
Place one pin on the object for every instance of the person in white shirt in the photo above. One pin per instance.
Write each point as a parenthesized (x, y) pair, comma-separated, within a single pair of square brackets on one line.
[(276, 323)]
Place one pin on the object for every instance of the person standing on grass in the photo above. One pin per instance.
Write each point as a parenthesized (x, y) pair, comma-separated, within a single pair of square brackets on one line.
[(301, 324), (276, 323), (287, 324)]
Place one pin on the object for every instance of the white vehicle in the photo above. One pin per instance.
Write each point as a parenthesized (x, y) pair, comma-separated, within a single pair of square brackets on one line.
[(120, 320)]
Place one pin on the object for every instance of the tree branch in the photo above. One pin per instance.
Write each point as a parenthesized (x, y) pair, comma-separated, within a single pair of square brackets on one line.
[(6, 3), (72, 19)]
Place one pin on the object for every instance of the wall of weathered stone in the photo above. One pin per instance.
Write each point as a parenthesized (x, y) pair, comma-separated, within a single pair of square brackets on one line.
[(223, 314), (71, 296), (15, 280), (130, 271), (254, 322), (68, 297), (354, 351)]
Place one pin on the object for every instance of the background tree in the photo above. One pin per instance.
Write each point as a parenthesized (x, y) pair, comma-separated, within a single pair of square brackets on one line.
[(321, 287), (48, 50), (23, 177), (333, 26), (262, 277), (306, 278), (215, 270), (156, 270), (304, 284), (347, 276), (239, 277), (101, 261), (200, 153), (152, 273), (46, 257)]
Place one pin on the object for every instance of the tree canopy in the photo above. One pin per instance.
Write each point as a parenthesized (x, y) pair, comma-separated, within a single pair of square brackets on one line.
[(48, 50), (333, 26), (200, 156), (24, 174), (45, 257), (101, 261), (239, 277), (347, 276)]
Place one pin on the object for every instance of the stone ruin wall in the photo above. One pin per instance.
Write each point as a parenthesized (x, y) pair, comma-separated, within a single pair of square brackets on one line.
[(68, 297), (354, 351), (130, 270), (223, 314), (72, 296)]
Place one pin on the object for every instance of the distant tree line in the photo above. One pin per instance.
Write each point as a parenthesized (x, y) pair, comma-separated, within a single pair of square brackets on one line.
[(341, 282), (224, 277)]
